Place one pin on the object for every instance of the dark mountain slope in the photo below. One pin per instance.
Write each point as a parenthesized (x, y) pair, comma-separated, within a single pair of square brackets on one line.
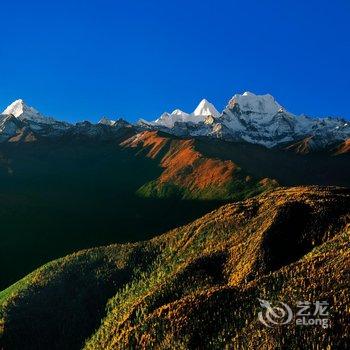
[(99, 185), (60, 197), (196, 286), (55, 194)]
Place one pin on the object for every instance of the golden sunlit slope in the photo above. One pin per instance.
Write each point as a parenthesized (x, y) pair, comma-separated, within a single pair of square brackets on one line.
[(189, 173), (343, 148), (306, 146), (301, 147), (197, 286)]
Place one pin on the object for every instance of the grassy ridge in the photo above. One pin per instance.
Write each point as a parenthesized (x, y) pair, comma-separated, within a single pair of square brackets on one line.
[(196, 286), (236, 189)]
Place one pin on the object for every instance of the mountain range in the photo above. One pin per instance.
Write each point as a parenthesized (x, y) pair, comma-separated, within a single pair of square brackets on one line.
[(165, 234), (66, 169), (256, 119)]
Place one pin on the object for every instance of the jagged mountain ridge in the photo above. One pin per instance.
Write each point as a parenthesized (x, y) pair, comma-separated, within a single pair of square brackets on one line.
[(168, 120), (259, 119), (182, 297), (18, 119), (250, 118)]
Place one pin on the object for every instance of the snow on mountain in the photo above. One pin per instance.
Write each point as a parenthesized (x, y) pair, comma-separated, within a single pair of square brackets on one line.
[(258, 104), (9, 126), (114, 123), (260, 119), (169, 119), (107, 121), (22, 111), (256, 119), (19, 118), (204, 109)]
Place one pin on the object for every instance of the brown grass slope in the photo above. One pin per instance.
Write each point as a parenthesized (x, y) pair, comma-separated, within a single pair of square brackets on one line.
[(307, 146), (343, 148), (190, 172), (303, 146), (196, 287), (288, 168), (216, 169)]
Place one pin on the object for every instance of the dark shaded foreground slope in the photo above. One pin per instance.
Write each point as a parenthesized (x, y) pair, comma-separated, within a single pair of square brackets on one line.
[(196, 286), (58, 198), (62, 195)]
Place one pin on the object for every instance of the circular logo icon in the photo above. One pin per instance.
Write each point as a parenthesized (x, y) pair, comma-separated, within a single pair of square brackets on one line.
[(279, 314)]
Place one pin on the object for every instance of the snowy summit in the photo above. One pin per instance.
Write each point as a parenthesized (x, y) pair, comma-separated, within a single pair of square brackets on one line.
[(252, 118), (249, 102), (248, 117), (204, 109), (22, 111)]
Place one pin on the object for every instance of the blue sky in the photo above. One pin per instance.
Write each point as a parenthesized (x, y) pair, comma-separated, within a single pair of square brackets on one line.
[(79, 60)]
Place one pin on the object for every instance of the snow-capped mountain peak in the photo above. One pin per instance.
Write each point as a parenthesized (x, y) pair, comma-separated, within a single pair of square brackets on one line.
[(261, 104), (252, 118), (107, 121), (19, 107), (205, 108), (22, 111), (179, 112), (169, 119)]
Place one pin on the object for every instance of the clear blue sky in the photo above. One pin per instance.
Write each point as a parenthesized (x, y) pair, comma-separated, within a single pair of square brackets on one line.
[(79, 60)]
